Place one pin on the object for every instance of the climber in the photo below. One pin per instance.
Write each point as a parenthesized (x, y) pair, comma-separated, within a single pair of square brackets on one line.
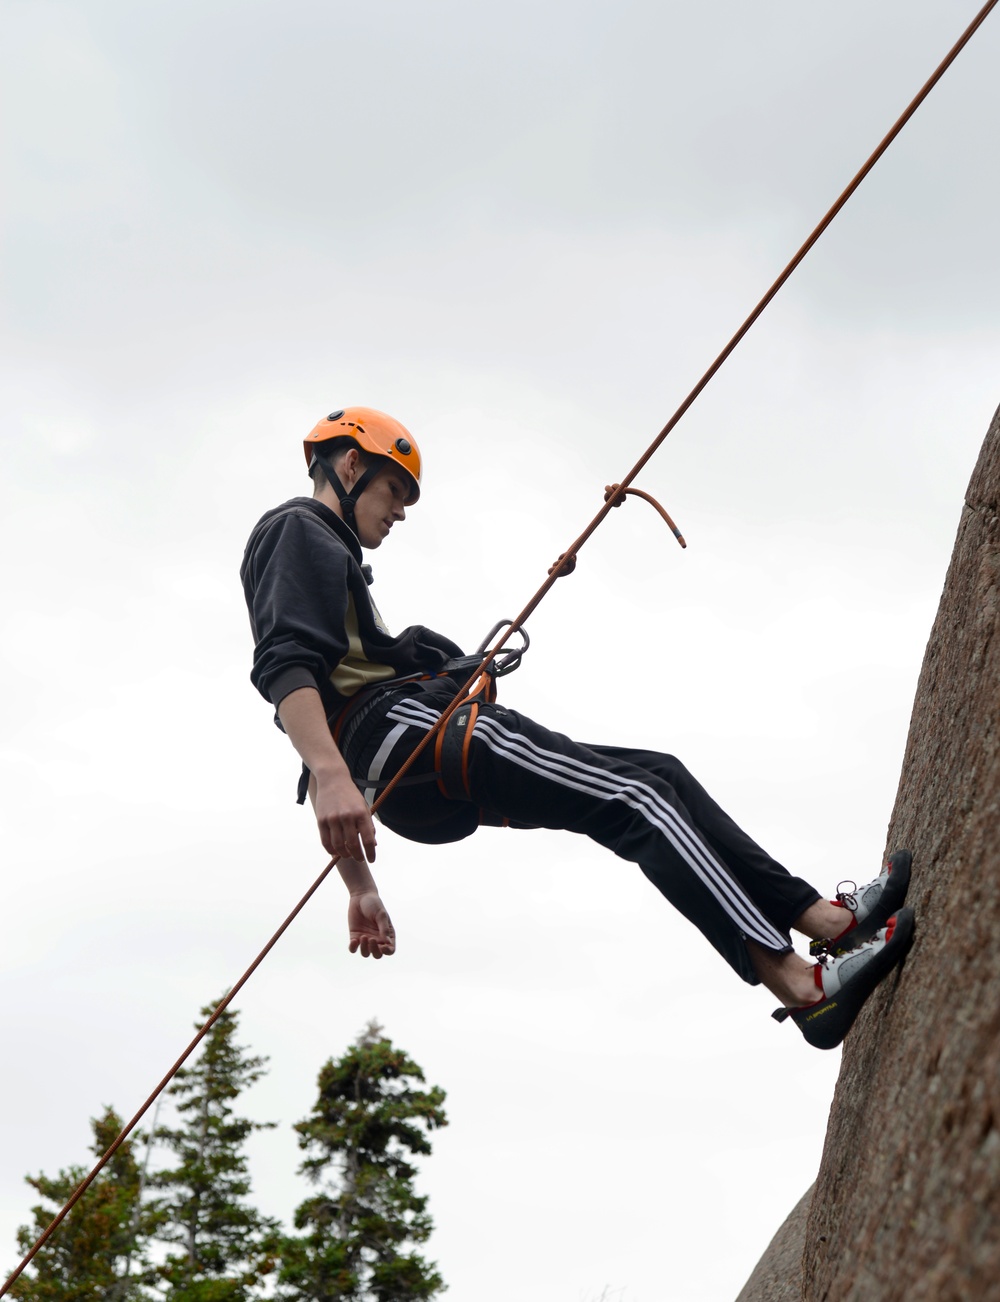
[(355, 700)]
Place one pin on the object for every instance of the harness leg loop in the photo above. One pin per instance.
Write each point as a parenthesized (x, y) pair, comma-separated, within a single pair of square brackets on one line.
[(451, 752)]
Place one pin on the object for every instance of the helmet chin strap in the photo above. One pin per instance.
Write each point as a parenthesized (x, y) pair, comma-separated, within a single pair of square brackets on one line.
[(348, 497)]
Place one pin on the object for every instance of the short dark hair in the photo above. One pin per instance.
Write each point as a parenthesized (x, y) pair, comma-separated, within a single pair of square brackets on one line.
[(331, 450)]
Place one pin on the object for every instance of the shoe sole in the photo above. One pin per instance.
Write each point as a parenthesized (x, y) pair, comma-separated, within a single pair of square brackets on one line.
[(825, 1024)]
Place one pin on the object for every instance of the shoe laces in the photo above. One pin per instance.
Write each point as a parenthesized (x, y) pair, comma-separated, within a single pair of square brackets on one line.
[(828, 953), (848, 898)]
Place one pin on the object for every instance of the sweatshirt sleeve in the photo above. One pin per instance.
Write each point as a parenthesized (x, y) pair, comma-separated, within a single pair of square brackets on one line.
[(297, 592)]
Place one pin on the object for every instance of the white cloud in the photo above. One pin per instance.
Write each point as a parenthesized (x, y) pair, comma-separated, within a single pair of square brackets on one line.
[(527, 238)]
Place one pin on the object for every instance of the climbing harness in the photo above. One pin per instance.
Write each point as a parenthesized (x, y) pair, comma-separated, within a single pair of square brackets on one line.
[(454, 735), (408, 457), (458, 729)]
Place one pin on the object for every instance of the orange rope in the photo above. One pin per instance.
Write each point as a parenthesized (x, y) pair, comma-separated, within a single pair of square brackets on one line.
[(220, 1008), (564, 565)]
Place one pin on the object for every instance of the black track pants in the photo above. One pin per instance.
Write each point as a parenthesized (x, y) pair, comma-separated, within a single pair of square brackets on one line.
[(642, 805)]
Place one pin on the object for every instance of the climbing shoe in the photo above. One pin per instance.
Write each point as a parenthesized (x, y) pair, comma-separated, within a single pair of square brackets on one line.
[(845, 981), (870, 906)]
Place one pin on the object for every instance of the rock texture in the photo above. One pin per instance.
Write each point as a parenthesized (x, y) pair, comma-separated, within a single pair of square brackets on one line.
[(907, 1202), (778, 1275)]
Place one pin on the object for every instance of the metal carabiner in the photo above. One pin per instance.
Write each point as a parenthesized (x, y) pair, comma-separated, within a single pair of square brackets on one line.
[(507, 661)]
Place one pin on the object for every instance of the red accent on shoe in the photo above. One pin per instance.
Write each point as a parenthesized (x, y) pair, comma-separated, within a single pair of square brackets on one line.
[(890, 927), (818, 978)]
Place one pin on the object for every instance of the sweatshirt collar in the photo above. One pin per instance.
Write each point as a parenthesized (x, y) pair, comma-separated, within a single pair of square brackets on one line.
[(344, 532)]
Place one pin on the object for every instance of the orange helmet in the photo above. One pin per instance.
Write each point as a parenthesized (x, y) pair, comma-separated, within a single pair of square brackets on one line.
[(374, 432)]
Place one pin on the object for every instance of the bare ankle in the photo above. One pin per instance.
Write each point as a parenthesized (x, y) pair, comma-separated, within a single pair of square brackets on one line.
[(822, 920), (788, 976)]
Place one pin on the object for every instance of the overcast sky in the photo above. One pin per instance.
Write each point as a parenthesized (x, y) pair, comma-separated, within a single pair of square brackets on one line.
[(525, 232)]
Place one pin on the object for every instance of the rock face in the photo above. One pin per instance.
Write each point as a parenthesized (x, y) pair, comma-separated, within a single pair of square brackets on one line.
[(907, 1202), (778, 1275)]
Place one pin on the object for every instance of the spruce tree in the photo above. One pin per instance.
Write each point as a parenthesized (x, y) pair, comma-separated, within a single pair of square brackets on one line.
[(370, 1118), (98, 1252), (226, 1245)]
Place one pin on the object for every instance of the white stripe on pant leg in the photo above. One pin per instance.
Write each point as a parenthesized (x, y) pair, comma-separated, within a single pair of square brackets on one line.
[(421, 716), (572, 773), (415, 712), (727, 893), (381, 755), (598, 782), (649, 802), (604, 785)]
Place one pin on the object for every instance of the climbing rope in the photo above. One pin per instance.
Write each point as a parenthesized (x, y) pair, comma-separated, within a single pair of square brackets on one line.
[(565, 564)]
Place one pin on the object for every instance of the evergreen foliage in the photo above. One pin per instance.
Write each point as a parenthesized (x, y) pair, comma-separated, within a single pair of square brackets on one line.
[(370, 1118), (97, 1254), (361, 1228), (226, 1245)]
